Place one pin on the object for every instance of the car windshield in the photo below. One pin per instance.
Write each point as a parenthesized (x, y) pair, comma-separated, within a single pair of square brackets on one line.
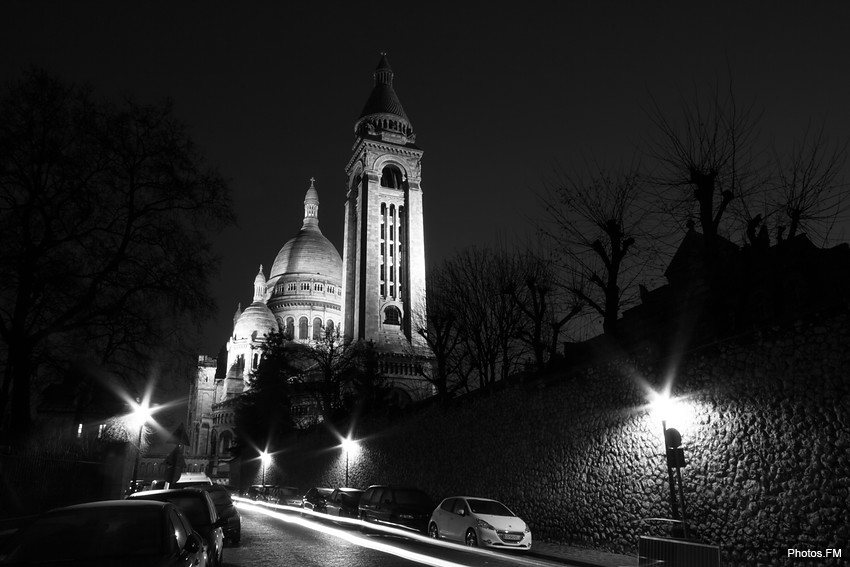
[(489, 508), (88, 534), (412, 498)]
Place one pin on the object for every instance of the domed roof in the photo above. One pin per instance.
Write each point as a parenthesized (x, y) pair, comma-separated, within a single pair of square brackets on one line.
[(257, 317), (309, 252)]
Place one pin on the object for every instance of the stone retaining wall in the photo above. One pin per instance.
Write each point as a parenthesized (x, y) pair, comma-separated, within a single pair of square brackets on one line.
[(766, 432)]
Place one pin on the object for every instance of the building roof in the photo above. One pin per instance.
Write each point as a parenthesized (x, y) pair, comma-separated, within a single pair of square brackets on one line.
[(383, 110)]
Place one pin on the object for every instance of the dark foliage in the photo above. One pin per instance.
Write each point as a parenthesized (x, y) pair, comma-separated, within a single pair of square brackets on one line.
[(106, 210)]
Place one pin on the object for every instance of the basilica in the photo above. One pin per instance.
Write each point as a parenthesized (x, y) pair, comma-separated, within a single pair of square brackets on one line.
[(374, 292)]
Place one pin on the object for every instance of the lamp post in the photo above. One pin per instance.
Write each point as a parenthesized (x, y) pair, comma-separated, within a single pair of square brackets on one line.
[(347, 445), (141, 414), (265, 459), (674, 456)]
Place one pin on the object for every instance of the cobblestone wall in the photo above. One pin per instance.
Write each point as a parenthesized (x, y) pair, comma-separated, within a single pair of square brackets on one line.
[(766, 432)]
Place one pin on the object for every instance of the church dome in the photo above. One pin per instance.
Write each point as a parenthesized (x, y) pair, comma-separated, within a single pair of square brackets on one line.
[(257, 319), (309, 252)]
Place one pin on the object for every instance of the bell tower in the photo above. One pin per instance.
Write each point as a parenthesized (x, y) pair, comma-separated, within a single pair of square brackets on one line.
[(384, 245)]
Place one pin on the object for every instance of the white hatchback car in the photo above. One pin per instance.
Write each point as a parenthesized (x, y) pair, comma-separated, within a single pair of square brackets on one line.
[(479, 522)]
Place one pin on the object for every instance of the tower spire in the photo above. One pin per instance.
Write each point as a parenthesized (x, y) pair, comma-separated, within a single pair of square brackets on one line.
[(311, 205), (383, 117)]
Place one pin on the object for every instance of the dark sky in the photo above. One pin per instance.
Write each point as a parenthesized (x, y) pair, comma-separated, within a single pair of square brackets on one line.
[(498, 98)]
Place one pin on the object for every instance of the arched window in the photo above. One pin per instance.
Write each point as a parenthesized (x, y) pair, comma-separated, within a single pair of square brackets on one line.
[(392, 316), (256, 361), (302, 328), (330, 326), (290, 328), (317, 329), (391, 177)]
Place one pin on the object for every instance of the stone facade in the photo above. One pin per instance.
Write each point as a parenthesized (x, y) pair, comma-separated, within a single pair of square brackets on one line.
[(580, 455)]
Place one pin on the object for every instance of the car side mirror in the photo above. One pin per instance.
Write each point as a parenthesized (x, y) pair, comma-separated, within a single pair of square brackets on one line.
[(193, 544), (461, 512)]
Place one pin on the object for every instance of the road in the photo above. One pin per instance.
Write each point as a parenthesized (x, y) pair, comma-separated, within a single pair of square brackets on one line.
[(283, 538)]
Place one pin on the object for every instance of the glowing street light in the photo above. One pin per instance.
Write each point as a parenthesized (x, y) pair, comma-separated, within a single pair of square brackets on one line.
[(348, 445), (140, 417), (265, 459), (665, 407)]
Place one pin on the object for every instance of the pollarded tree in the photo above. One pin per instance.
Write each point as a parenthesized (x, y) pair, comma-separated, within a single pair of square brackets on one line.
[(106, 212), (809, 186), (599, 222), (709, 146)]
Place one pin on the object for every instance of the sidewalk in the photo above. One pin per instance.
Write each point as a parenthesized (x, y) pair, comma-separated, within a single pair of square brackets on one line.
[(580, 556)]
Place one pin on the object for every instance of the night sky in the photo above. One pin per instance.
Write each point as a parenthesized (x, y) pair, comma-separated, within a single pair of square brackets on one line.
[(499, 99)]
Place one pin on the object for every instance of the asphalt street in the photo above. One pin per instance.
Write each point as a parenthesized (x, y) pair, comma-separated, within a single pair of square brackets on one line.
[(284, 538)]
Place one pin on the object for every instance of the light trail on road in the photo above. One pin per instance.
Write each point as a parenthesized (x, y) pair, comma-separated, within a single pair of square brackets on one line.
[(286, 514)]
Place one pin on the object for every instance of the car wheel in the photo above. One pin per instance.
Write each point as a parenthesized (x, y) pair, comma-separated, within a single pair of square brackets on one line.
[(471, 539), (433, 531)]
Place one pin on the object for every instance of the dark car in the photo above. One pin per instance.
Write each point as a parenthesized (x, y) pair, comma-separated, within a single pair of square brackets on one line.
[(397, 507), (285, 496), (343, 502), (227, 511), (316, 499), (114, 533), (198, 507)]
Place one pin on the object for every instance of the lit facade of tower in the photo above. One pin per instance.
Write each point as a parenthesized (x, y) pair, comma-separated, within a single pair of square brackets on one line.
[(384, 243)]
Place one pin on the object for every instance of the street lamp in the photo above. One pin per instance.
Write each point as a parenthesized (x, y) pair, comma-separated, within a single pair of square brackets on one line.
[(665, 407), (141, 415), (265, 459), (348, 445)]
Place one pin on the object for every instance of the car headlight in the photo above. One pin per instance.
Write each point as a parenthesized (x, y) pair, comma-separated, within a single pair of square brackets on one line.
[(485, 525)]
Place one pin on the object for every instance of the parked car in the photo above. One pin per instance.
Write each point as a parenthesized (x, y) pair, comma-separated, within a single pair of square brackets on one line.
[(258, 491), (188, 479), (198, 507), (114, 533), (285, 496), (223, 503), (343, 502), (395, 506), (479, 522), (316, 499)]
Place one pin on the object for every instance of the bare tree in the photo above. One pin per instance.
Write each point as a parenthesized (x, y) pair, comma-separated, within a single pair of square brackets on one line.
[(328, 363), (438, 324), (105, 216), (809, 186), (595, 221), (538, 294), (488, 317), (709, 146)]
